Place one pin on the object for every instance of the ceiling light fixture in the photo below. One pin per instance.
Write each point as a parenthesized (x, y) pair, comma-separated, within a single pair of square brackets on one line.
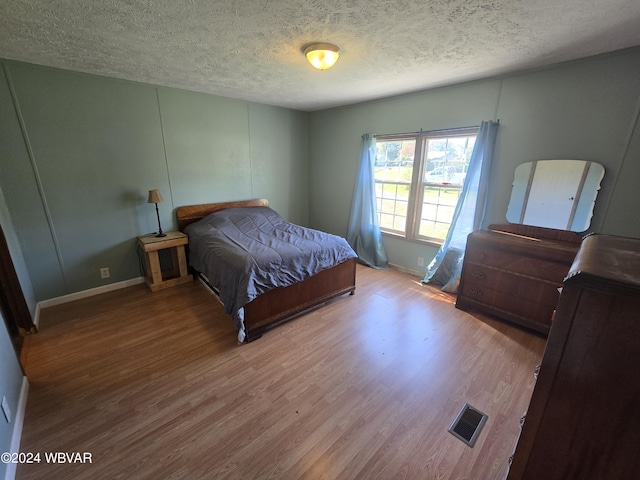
[(322, 55)]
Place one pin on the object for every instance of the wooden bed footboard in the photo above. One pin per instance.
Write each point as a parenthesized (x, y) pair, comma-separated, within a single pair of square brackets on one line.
[(282, 304)]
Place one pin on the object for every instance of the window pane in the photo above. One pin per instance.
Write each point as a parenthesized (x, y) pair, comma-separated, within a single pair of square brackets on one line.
[(445, 167), (393, 169), (447, 159)]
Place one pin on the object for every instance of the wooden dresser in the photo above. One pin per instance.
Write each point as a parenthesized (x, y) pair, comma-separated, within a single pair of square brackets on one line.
[(515, 271), (583, 421)]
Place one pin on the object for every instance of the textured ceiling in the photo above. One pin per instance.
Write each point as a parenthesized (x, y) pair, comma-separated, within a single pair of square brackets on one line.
[(252, 49)]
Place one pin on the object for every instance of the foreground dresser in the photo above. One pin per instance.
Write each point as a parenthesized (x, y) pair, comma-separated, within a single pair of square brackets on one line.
[(514, 272), (583, 421)]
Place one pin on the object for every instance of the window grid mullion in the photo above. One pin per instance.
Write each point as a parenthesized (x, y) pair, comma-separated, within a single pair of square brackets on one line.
[(415, 193)]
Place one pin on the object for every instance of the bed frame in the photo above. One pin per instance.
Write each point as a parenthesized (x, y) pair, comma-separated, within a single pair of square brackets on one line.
[(281, 304)]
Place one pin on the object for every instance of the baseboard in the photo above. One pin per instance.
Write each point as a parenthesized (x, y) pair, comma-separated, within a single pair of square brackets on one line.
[(36, 316), (84, 294), (402, 269), (10, 472)]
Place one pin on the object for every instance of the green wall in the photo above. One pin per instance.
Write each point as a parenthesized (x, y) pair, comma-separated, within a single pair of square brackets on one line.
[(586, 109), (78, 154)]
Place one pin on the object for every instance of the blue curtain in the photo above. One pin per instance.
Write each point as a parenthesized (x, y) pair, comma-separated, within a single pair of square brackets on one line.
[(446, 267), (363, 232)]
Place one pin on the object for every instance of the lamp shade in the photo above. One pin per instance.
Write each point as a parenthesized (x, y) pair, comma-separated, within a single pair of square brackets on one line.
[(154, 196), (322, 55)]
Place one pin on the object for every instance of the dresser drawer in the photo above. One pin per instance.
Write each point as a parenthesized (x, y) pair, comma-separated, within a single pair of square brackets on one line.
[(526, 265), (519, 286), (511, 307)]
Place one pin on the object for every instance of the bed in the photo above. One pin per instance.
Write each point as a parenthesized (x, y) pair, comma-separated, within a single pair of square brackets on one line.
[(265, 289)]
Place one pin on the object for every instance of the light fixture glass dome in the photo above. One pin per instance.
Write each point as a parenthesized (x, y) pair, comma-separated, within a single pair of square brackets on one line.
[(322, 55)]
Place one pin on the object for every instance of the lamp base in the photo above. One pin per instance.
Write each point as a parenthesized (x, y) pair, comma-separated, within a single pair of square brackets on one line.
[(159, 234)]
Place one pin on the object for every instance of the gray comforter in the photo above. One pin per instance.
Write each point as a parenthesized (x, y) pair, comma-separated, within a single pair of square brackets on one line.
[(247, 251)]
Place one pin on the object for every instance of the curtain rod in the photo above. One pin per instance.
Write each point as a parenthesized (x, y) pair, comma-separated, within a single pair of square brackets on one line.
[(444, 130)]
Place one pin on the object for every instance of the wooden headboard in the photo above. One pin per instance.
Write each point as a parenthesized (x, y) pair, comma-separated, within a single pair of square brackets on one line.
[(188, 214)]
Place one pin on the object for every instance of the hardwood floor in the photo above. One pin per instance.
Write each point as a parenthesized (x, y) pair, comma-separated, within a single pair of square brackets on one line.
[(154, 386)]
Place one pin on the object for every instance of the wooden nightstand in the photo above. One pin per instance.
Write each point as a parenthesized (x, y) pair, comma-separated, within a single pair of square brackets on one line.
[(156, 279)]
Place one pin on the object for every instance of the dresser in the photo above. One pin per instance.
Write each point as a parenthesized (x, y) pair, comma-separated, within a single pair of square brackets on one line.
[(583, 421), (514, 272)]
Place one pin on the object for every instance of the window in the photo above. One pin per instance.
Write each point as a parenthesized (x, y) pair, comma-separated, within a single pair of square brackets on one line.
[(419, 178)]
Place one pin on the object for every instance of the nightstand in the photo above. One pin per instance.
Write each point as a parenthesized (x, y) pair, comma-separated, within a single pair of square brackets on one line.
[(156, 279)]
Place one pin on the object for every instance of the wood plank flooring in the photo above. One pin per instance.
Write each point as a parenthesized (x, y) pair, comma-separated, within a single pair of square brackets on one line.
[(154, 386)]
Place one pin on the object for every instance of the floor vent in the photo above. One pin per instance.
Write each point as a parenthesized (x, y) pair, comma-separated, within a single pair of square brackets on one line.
[(467, 424)]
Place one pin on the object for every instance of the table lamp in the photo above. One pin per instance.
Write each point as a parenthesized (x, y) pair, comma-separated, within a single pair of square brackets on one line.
[(155, 197)]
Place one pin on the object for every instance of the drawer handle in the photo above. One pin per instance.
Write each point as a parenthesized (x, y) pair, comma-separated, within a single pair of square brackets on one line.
[(476, 291), (477, 274)]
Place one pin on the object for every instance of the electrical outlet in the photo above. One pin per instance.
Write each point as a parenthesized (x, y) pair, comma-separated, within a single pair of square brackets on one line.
[(104, 272), (5, 409), (421, 261)]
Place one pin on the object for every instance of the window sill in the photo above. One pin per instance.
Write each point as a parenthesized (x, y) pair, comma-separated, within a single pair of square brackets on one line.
[(431, 243)]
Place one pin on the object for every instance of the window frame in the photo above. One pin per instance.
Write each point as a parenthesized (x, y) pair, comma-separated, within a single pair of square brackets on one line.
[(416, 186)]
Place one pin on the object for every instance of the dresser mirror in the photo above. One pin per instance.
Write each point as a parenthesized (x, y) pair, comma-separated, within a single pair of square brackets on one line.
[(556, 194)]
